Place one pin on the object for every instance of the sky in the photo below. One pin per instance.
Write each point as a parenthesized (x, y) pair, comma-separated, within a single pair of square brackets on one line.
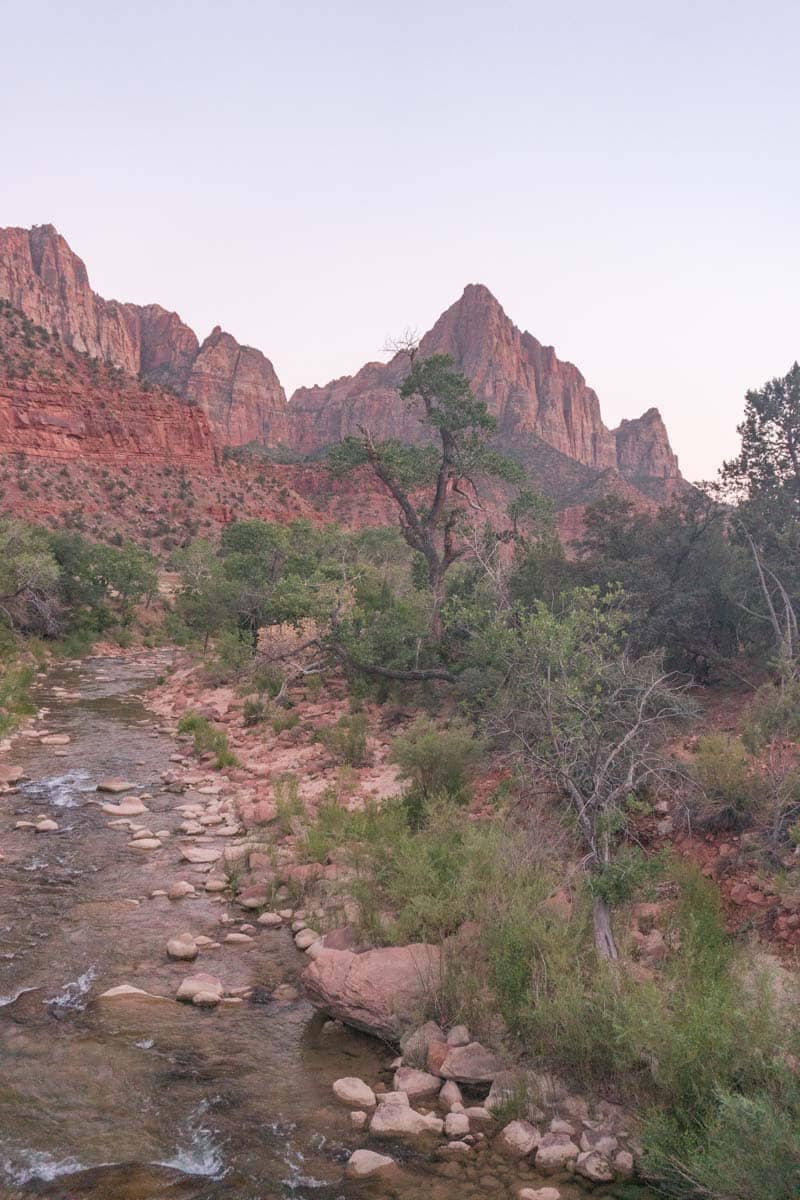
[(624, 176)]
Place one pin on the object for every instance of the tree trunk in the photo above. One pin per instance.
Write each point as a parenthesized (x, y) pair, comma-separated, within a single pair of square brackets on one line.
[(603, 934), (437, 587)]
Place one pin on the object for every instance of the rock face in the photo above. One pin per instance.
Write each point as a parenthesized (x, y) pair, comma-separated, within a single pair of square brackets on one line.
[(380, 991), (235, 386), (546, 413), (536, 398)]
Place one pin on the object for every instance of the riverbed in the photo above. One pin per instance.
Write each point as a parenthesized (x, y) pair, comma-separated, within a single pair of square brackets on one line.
[(138, 1100)]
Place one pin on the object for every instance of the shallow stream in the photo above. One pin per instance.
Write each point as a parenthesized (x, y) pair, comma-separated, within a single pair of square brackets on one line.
[(144, 1101)]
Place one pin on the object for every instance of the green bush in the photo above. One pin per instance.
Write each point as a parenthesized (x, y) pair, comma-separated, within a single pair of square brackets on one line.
[(207, 739), (727, 785), (346, 741), (436, 761), (774, 712)]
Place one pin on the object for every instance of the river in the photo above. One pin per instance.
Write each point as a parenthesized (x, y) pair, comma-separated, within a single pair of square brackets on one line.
[(141, 1101)]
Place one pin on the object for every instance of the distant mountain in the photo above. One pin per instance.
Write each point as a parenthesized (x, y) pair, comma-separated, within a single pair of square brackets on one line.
[(546, 414)]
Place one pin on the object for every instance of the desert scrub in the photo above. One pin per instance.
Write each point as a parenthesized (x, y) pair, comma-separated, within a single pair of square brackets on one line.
[(346, 741), (15, 698), (284, 720), (727, 784), (254, 711), (290, 808), (437, 761), (207, 738)]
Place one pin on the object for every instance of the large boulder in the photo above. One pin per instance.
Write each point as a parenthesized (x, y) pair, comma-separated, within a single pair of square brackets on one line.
[(470, 1064), (381, 991)]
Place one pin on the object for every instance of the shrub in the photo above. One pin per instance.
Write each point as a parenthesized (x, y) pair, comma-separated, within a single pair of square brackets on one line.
[(346, 741), (284, 720), (726, 782), (253, 712), (286, 791), (208, 739), (437, 761)]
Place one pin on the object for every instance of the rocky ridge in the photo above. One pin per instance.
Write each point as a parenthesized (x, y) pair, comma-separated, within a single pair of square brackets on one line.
[(547, 415)]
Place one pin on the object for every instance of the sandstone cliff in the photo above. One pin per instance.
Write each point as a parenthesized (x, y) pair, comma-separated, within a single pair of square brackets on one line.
[(541, 404), (236, 386), (546, 413)]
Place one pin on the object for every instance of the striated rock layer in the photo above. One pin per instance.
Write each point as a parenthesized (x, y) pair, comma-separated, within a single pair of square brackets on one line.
[(546, 414)]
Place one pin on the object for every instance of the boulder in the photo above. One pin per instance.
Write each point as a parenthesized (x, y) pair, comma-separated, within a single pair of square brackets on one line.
[(354, 1092), (555, 1152), (200, 989), (517, 1139), (400, 1120), (594, 1166), (182, 947), (364, 1163), (456, 1125), (416, 1084), (379, 991), (472, 1063)]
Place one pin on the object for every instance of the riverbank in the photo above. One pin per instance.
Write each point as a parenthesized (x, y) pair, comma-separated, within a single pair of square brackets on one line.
[(150, 1097)]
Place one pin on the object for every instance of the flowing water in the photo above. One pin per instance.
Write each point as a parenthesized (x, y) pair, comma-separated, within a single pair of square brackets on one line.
[(142, 1101)]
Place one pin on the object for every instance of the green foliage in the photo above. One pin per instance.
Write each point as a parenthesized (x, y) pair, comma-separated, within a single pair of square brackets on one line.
[(207, 738), (15, 698), (286, 791), (727, 782), (774, 712), (437, 761), (284, 720), (346, 741)]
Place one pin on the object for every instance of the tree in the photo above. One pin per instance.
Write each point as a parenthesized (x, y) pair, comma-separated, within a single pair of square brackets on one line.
[(764, 482), (433, 485), (29, 578), (589, 718)]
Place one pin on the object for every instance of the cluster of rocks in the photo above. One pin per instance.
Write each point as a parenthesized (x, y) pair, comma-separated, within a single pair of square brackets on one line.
[(556, 1134)]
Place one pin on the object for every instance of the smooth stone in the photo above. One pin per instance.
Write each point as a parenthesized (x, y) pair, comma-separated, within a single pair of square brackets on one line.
[(306, 938), (517, 1139), (450, 1094), (11, 774), (182, 947), (456, 1125), (358, 1119), (200, 854), (354, 1092), (125, 991), (272, 920), (237, 939), (543, 1193), (200, 985), (114, 785), (55, 739), (458, 1036), (400, 1120), (145, 843), (364, 1163), (177, 891), (131, 807), (416, 1084), (46, 826)]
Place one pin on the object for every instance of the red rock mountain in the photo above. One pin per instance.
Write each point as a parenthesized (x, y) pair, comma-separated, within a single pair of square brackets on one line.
[(546, 413), (235, 385)]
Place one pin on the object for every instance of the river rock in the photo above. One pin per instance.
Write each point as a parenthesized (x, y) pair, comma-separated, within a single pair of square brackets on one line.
[(271, 919), (181, 888), (131, 806), (358, 1119), (305, 938), (200, 854), (114, 785), (200, 989), (470, 1064), (450, 1094), (623, 1163), (544, 1193), (46, 826), (416, 1084), (378, 991), (354, 1092), (415, 1043), (183, 947), (554, 1152), (237, 939), (55, 739), (517, 1139), (456, 1124), (458, 1036), (364, 1163), (594, 1166), (125, 991), (10, 774), (400, 1120), (145, 843)]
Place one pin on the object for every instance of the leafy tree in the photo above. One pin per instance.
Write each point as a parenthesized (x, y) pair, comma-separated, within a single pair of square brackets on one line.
[(589, 717), (29, 578), (433, 485)]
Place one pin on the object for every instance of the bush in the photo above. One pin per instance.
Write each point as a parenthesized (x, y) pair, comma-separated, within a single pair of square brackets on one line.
[(284, 720), (346, 741), (253, 712), (437, 761), (208, 739), (726, 782)]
